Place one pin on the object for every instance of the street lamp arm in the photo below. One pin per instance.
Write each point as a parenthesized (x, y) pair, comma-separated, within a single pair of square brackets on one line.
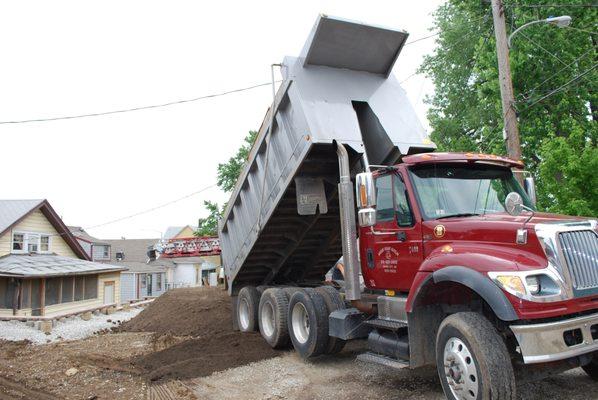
[(561, 22), (540, 21)]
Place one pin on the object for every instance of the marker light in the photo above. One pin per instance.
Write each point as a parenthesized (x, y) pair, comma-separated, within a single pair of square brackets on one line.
[(513, 284)]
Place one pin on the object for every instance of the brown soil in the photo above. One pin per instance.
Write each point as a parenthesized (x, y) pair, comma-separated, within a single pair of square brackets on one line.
[(204, 316), (103, 371), (185, 333)]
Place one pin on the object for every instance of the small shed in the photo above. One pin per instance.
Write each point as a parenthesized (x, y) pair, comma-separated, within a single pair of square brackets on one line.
[(142, 280)]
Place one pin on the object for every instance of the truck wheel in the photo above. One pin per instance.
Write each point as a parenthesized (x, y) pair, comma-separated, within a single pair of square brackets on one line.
[(592, 368), (334, 302), (273, 313), (308, 323), (472, 359), (247, 309)]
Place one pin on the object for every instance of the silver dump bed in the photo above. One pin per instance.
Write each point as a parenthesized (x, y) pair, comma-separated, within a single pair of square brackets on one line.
[(340, 89)]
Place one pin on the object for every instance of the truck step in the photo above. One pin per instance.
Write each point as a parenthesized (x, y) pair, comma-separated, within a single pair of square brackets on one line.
[(386, 324), (383, 360)]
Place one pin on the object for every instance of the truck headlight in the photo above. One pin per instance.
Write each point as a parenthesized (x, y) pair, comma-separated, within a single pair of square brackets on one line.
[(533, 285), (528, 285)]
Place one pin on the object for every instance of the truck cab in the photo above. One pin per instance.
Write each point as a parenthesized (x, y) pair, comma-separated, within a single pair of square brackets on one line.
[(440, 234)]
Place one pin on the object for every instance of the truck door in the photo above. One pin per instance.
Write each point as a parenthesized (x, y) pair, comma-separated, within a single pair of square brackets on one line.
[(391, 252)]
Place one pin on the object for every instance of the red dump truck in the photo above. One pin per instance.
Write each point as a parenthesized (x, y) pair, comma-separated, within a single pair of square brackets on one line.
[(446, 260)]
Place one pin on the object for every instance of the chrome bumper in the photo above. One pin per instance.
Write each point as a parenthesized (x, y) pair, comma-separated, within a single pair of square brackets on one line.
[(545, 342)]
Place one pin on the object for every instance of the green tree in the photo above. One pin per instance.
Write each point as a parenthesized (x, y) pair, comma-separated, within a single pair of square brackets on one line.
[(227, 175), (209, 226), (554, 79), (229, 172)]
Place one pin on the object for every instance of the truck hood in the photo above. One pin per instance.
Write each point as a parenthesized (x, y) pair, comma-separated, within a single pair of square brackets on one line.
[(494, 235)]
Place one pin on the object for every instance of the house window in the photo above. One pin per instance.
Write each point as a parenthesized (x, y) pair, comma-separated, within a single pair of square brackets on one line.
[(30, 242), (68, 283), (79, 288), (106, 252), (53, 295), (159, 281), (143, 281), (18, 241), (120, 255), (44, 243), (91, 287)]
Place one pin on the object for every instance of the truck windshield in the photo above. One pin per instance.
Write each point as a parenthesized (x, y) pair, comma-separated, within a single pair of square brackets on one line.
[(446, 191)]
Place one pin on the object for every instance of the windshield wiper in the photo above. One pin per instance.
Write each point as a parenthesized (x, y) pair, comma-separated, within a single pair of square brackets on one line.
[(459, 215)]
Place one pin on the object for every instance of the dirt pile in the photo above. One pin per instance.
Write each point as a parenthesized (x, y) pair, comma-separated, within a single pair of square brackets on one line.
[(204, 316)]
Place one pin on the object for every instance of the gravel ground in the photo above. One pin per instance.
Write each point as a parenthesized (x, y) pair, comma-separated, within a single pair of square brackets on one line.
[(72, 329), (341, 377)]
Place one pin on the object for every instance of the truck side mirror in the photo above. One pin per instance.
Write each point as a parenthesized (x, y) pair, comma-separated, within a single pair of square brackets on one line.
[(366, 199), (365, 190), (514, 203), (530, 188)]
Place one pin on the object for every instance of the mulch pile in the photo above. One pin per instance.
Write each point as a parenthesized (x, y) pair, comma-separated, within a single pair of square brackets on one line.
[(204, 316)]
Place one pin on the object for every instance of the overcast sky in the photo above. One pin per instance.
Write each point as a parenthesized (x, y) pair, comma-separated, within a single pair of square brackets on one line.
[(76, 57)]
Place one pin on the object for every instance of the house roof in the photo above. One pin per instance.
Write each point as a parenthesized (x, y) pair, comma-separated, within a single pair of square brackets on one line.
[(47, 265), (134, 249), (139, 267), (14, 211), (80, 233), (173, 231)]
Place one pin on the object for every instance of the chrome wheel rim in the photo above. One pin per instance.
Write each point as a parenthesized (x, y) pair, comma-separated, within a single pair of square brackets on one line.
[(244, 314), (300, 321), (460, 370), (268, 319)]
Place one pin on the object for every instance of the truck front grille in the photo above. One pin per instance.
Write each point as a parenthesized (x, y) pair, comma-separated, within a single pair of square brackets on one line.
[(580, 249)]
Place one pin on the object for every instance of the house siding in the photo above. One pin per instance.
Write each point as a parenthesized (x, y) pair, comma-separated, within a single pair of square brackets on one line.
[(186, 232), (114, 276), (156, 291), (98, 253), (38, 223), (128, 286), (186, 274), (86, 246)]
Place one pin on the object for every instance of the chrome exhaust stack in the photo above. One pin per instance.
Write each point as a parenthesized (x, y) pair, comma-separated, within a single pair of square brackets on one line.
[(348, 227)]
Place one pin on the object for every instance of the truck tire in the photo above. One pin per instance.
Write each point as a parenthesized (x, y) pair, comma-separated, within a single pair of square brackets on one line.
[(272, 317), (472, 359), (247, 309), (592, 368), (308, 323), (334, 302)]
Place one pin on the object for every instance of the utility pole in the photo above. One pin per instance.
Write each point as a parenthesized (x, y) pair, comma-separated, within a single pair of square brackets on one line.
[(506, 84)]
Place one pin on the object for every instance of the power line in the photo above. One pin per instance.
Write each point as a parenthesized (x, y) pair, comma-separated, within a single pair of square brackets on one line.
[(525, 95), (543, 49), (551, 5), (582, 30), (151, 209), (171, 103), (140, 212), (440, 32), (562, 87)]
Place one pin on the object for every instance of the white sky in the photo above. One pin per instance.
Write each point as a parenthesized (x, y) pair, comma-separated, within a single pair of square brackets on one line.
[(74, 57)]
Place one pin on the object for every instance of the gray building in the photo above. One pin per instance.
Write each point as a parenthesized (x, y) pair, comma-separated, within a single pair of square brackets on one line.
[(143, 277), (96, 249)]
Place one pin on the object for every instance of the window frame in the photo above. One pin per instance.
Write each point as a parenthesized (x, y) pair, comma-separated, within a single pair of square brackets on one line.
[(26, 238), (159, 281), (396, 175)]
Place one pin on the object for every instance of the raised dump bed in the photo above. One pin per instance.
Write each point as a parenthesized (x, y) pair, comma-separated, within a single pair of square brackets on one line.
[(339, 89)]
